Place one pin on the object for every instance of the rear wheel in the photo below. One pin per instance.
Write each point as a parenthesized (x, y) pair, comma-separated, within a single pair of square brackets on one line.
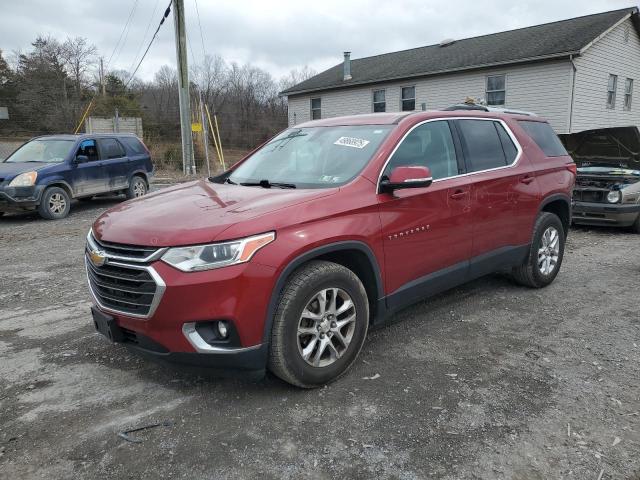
[(54, 204), (545, 255), (137, 187), (320, 325)]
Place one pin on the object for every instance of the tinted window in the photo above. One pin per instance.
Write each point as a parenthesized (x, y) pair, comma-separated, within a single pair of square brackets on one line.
[(111, 148), (134, 144), (89, 149), (429, 145), (483, 147), (510, 150), (545, 138)]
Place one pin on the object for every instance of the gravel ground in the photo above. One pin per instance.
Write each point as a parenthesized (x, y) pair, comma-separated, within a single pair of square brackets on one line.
[(488, 381)]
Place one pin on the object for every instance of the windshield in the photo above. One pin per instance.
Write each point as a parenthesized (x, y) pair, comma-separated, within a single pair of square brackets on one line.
[(42, 150), (313, 157)]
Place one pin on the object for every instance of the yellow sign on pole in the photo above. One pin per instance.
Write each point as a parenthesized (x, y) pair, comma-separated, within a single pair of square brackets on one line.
[(196, 127)]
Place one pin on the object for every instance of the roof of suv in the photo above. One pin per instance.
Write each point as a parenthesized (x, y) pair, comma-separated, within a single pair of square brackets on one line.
[(81, 136), (395, 118)]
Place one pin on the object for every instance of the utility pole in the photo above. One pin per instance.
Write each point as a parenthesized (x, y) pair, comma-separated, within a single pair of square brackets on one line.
[(188, 163), (102, 76)]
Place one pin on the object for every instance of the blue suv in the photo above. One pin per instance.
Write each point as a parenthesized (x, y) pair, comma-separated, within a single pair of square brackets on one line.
[(47, 172)]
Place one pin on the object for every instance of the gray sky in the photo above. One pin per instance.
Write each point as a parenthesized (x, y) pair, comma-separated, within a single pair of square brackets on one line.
[(277, 35)]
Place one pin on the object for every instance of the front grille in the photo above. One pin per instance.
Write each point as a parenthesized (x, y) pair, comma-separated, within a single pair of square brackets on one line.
[(129, 252), (124, 288), (598, 196)]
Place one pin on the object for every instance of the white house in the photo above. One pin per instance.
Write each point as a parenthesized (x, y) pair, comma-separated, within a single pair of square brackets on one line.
[(578, 73)]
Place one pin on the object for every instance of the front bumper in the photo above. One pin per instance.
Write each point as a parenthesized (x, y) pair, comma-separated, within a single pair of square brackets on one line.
[(591, 213), (237, 294), (19, 198)]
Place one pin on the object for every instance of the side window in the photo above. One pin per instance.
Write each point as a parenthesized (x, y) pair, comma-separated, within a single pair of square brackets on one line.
[(134, 144), (509, 148), (110, 148), (483, 147), (89, 149), (429, 145), (545, 138)]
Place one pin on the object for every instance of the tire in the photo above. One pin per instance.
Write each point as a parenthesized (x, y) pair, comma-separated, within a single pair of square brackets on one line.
[(137, 187), (534, 273), (303, 292), (54, 204)]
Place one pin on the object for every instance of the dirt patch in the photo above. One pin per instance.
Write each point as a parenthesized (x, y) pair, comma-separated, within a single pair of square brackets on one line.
[(488, 381)]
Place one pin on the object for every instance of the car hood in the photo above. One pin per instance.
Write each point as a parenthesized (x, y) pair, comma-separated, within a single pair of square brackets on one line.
[(194, 212), (10, 170), (618, 148)]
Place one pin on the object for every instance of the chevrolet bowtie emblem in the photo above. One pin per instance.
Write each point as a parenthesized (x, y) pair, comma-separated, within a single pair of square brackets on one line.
[(98, 257)]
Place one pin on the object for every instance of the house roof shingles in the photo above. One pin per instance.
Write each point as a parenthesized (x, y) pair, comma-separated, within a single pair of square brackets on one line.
[(550, 40)]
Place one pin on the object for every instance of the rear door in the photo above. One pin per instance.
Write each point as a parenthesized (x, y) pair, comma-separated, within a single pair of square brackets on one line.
[(503, 192), (426, 231), (88, 177), (115, 161)]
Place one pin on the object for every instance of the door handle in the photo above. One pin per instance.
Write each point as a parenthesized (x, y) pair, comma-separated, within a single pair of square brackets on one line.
[(458, 194), (527, 179)]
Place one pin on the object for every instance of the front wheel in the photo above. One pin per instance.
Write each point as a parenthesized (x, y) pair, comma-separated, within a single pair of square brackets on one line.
[(54, 204), (545, 254), (320, 325), (137, 188)]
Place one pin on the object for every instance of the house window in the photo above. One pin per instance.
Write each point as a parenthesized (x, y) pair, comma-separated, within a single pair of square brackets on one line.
[(408, 101), (316, 108), (628, 93), (496, 91), (379, 101), (612, 86), (626, 34)]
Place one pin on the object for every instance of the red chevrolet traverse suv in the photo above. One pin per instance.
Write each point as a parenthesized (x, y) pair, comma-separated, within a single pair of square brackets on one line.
[(285, 260)]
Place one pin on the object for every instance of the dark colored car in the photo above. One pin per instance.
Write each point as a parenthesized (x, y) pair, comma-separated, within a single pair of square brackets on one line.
[(47, 172), (286, 260), (607, 190)]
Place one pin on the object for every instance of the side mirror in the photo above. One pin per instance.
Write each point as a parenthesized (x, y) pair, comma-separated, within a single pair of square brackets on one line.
[(81, 159), (406, 177)]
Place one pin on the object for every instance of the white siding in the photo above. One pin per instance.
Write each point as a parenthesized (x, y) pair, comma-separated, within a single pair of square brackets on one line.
[(609, 55), (543, 88)]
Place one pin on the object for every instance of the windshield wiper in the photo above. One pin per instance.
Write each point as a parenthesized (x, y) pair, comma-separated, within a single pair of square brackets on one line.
[(267, 184), (229, 181)]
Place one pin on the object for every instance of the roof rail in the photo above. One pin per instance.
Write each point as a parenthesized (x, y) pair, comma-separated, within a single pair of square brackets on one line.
[(483, 108)]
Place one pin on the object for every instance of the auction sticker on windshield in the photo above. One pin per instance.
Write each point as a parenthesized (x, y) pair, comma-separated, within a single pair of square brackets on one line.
[(351, 142)]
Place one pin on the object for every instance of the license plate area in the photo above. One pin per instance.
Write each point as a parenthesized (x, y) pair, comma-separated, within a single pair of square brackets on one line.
[(106, 325)]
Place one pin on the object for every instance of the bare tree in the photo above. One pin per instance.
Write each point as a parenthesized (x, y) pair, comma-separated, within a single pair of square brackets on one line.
[(78, 57)]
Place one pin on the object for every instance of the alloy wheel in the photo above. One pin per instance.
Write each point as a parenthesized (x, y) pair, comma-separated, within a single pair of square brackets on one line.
[(549, 251), (139, 189), (326, 327), (57, 204)]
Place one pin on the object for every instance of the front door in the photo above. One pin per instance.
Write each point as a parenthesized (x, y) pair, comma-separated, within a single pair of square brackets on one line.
[(88, 177), (426, 231)]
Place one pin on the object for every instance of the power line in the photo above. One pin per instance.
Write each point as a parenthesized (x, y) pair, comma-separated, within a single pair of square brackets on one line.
[(146, 32), (122, 33), (200, 27), (166, 14)]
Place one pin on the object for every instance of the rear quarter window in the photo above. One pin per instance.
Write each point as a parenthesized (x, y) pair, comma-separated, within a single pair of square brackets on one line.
[(545, 138), (133, 144)]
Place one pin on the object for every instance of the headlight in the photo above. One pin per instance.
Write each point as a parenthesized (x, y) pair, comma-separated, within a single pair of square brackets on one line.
[(26, 179), (216, 255), (614, 196)]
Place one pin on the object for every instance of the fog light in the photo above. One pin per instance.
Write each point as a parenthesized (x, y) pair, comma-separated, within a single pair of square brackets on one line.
[(614, 196), (223, 330)]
